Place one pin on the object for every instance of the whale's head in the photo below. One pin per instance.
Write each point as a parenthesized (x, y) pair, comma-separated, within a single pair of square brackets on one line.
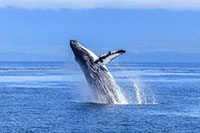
[(82, 55)]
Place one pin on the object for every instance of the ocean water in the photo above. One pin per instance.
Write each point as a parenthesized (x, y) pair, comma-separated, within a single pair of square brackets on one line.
[(54, 97)]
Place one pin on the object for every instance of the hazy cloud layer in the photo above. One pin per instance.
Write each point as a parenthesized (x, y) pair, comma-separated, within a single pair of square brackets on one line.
[(89, 4)]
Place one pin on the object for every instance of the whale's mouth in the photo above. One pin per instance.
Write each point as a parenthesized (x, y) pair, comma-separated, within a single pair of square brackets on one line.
[(81, 52), (76, 48), (73, 43)]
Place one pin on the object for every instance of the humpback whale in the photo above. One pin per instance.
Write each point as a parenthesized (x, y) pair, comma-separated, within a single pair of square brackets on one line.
[(99, 79)]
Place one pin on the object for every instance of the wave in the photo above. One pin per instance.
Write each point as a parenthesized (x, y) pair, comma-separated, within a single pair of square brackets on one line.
[(111, 69), (163, 70), (96, 103), (30, 69)]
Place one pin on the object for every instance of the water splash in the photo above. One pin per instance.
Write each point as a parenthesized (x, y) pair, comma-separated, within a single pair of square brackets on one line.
[(104, 90), (107, 91), (136, 91)]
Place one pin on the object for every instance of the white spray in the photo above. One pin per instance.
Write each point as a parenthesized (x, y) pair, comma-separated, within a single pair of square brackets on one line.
[(143, 94)]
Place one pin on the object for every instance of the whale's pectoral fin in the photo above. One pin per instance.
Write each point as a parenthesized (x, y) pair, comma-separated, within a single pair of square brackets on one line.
[(108, 57)]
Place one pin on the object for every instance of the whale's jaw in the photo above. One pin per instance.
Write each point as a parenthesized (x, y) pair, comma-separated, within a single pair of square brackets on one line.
[(81, 53)]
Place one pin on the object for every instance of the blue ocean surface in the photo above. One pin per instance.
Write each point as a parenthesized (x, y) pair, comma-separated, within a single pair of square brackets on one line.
[(52, 97)]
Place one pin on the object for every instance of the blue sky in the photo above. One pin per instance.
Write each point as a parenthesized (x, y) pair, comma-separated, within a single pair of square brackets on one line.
[(42, 31)]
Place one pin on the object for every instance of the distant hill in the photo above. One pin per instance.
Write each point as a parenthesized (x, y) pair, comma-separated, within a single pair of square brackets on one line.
[(161, 57), (129, 56), (13, 56)]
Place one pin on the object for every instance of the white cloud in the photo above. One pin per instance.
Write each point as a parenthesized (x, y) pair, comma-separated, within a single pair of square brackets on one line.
[(88, 4)]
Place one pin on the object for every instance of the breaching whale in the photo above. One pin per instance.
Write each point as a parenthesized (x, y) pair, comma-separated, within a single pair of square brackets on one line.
[(100, 80)]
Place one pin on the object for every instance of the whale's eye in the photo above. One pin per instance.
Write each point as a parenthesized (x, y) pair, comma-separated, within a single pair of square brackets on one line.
[(85, 58)]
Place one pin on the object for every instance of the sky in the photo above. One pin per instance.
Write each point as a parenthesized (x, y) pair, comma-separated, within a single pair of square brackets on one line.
[(150, 30)]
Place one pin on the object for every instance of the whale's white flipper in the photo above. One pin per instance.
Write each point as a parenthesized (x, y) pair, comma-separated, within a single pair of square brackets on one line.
[(108, 57)]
